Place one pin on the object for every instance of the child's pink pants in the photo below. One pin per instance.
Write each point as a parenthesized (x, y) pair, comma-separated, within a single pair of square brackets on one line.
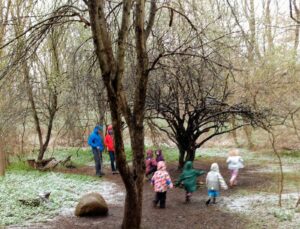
[(234, 174)]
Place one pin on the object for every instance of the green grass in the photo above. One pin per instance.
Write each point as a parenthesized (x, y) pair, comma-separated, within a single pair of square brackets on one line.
[(19, 166), (80, 157), (65, 190), (291, 154)]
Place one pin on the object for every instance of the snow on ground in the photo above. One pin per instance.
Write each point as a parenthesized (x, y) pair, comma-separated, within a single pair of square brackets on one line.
[(65, 191), (264, 207), (274, 168)]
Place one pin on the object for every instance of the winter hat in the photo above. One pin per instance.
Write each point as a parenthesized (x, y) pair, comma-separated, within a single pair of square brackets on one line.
[(109, 127), (214, 167), (149, 153), (161, 165), (100, 127)]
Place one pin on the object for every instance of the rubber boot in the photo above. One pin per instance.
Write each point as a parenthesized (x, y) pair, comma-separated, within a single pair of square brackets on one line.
[(207, 202)]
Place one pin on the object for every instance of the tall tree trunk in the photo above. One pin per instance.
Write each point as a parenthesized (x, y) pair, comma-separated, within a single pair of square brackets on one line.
[(2, 162), (248, 132), (296, 41), (268, 25), (49, 130), (190, 154), (234, 132), (181, 157), (252, 26), (112, 64), (133, 180), (4, 23), (134, 199), (133, 210), (33, 110), (19, 28), (52, 90), (101, 106)]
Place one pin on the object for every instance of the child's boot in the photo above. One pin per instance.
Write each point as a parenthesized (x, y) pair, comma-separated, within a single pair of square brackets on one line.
[(207, 202), (156, 200), (187, 198), (162, 204)]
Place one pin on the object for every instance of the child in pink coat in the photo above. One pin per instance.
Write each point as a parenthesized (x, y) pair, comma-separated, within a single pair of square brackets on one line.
[(162, 182)]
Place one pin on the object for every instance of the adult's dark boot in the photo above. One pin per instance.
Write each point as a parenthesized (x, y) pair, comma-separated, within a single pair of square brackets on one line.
[(214, 201)]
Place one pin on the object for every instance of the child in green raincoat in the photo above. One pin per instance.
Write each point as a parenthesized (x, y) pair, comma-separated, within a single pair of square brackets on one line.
[(189, 179)]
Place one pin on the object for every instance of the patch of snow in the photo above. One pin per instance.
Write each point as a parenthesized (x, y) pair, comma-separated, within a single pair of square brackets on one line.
[(264, 206), (247, 203), (274, 168), (65, 192)]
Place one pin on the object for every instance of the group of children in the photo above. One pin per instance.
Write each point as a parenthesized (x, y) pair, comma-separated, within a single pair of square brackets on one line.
[(151, 162), (188, 178)]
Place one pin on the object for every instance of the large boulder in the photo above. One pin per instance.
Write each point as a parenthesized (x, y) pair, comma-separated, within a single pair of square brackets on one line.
[(91, 204)]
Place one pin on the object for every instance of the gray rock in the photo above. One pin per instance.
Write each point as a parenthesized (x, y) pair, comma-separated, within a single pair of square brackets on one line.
[(91, 204)]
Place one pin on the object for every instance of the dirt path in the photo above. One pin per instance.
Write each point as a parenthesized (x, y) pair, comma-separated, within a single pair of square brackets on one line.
[(177, 214)]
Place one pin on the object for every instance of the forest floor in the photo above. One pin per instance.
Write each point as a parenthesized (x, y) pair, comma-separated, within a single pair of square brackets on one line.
[(252, 204)]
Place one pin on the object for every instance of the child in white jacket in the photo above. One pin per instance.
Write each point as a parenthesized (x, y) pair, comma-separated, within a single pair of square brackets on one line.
[(214, 181), (234, 162)]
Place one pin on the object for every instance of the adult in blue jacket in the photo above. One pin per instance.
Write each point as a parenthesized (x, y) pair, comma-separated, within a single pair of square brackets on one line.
[(96, 142)]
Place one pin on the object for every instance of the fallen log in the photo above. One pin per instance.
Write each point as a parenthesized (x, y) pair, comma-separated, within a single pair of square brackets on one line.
[(63, 162), (50, 163)]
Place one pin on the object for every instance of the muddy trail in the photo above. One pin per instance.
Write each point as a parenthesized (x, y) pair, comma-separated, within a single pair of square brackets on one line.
[(178, 214)]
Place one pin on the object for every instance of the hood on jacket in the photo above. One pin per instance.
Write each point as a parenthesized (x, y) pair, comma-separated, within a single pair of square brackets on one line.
[(158, 152), (161, 166), (97, 128), (149, 153), (110, 130), (110, 127), (214, 167), (188, 165)]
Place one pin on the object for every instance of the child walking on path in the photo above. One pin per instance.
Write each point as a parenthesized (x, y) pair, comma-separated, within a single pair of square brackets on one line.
[(159, 155), (151, 164), (109, 143), (235, 162), (161, 181), (189, 179), (214, 181)]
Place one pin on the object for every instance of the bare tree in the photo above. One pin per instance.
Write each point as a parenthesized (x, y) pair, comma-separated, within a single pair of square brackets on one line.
[(4, 13), (194, 100)]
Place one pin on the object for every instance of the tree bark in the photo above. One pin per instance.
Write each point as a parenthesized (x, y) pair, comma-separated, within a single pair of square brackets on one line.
[(268, 25), (112, 64), (19, 28), (33, 110), (248, 132), (2, 163), (234, 132), (101, 106), (181, 158), (190, 155), (296, 41), (133, 210)]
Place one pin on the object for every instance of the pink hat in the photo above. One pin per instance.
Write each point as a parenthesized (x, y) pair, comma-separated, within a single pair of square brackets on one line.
[(109, 127)]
